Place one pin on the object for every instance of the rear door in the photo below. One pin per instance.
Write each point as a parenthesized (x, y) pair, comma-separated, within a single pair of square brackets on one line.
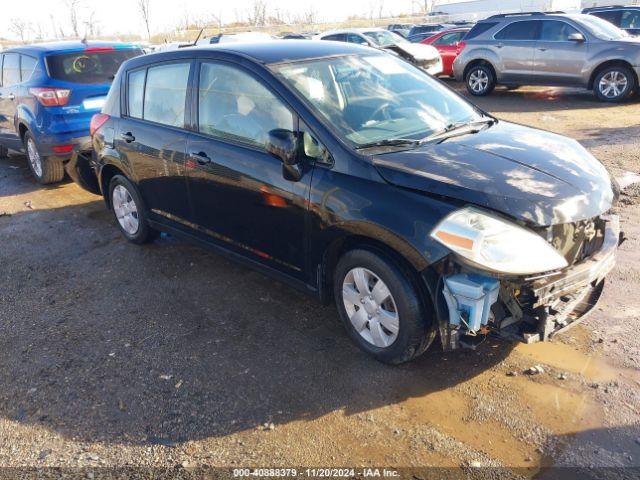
[(558, 60), (240, 196), (8, 100), (152, 138), (515, 45)]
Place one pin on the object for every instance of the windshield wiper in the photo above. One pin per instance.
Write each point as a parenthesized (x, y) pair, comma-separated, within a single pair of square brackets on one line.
[(458, 128), (389, 142)]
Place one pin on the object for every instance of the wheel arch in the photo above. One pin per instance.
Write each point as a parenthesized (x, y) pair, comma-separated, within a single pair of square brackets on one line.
[(609, 63), (477, 62), (400, 253), (107, 172)]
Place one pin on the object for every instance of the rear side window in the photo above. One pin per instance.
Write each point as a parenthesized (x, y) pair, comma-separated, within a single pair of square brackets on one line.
[(479, 29), (630, 19), (353, 38), (89, 67), (27, 66), (339, 37), (519, 31), (556, 31), (165, 94), (233, 105), (11, 69), (610, 16), (449, 38)]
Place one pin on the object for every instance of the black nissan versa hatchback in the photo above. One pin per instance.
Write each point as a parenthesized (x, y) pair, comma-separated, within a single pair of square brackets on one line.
[(353, 175)]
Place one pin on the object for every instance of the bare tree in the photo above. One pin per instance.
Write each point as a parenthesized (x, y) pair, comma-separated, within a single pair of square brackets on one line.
[(143, 6), (72, 7), (91, 25), (19, 27), (258, 13)]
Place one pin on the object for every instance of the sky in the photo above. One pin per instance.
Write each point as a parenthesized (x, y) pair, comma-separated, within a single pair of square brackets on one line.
[(122, 16)]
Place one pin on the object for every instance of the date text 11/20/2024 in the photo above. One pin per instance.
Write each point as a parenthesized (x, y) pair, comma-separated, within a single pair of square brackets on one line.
[(316, 472)]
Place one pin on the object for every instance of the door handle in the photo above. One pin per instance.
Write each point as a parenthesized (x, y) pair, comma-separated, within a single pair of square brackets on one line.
[(128, 137), (11, 96), (542, 49), (201, 157), (499, 45)]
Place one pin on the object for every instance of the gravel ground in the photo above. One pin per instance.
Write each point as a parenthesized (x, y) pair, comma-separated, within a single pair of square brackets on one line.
[(114, 355)]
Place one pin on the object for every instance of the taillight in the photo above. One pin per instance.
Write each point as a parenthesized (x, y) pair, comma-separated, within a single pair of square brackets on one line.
[(461, 46), (51, 97), (97, 121)]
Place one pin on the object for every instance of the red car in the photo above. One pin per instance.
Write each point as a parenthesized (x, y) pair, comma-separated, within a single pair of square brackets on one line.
[(449, 43)]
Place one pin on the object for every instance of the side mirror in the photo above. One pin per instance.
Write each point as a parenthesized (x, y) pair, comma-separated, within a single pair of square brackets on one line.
[(283, 145), (576, 37)]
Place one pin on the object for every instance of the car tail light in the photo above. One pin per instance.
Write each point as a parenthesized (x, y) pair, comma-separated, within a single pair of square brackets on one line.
[(461, 46), (97, 121), (51, 97), (62, 148)]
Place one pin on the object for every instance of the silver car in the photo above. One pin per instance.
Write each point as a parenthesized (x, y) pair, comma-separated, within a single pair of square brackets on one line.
[(549, 49)]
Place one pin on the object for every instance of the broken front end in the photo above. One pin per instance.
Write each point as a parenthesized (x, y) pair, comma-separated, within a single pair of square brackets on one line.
[(471, 302)]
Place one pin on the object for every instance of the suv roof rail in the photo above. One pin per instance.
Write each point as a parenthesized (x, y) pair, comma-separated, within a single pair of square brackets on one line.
[(608, 7), (518, 14)]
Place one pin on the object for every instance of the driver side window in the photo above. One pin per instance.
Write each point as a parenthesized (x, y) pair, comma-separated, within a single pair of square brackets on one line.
[(233, 105)]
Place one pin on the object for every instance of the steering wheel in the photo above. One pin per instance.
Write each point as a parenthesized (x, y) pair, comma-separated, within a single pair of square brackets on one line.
[(381, 109)]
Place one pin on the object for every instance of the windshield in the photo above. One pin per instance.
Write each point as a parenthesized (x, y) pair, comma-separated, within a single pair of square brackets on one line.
[(602, 28), (376, 97), (89, 67), (384, 38)]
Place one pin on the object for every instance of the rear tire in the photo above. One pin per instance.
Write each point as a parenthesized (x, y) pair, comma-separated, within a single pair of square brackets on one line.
[(129, 211), (390, 322), (614, 84), (480, 80), (45, 170)]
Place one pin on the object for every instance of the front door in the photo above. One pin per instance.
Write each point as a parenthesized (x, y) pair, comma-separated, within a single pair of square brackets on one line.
[(240, 196), (514, 45), (152, 137), (558, 60), (8, 99)]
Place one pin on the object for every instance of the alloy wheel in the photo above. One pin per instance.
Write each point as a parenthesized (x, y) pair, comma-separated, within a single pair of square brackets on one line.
[(370, 307), (34, 158), (613, 84), (478, 80), (125, 209)]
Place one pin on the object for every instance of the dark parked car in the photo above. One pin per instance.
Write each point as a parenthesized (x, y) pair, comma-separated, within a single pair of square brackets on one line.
[(48, 94), (417, 33), (627, 18), (416, 211)]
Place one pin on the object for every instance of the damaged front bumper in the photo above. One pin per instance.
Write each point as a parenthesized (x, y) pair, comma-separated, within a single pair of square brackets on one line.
[(529, 309)]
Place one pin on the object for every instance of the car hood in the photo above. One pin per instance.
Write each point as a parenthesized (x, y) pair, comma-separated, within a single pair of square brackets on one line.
[(417, 51), (534, 176)]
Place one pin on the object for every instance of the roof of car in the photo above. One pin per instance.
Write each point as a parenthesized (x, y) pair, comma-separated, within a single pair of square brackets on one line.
[(279, 51), (70, 46)]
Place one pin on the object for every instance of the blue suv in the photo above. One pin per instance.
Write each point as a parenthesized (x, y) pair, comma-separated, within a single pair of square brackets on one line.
[(48, 94)]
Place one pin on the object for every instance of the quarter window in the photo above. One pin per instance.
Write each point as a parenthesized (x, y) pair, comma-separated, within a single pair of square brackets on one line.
[(479, 29), (235, 106), (135, 93), (11, 69), (27, 66), (165, 94), (339, 37), (554, 31), (519, 31)]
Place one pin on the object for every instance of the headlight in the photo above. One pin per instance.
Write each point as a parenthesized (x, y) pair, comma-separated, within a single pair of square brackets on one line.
[(496, 244)]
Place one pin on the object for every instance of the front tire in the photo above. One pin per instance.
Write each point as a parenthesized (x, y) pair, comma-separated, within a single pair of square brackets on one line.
[(381, 308), (129, 211), (44, 169), (480, 80), (614, 84)]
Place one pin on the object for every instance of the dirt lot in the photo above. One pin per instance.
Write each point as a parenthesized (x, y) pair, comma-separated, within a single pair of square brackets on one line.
[(168, 355)]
